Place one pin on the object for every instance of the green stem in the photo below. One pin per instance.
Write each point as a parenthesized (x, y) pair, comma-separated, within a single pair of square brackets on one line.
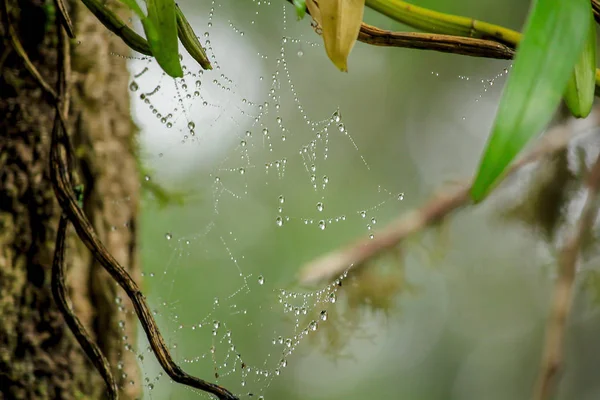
[(437, 22), (448, 24)]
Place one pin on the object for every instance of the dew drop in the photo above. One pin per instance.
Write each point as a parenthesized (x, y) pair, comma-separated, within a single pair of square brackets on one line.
[(363, 214), (133, 86), (323, 315), (319, 206), (191, 125), (281, 199), (322, 225), (279, 221), (332, 298), (261, 280), (168, 236)]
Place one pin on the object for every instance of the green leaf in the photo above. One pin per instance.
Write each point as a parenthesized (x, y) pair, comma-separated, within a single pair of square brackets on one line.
[(300, 6), (135, 7), (553, 39), (580, 89), (190, 41), (161, 31)]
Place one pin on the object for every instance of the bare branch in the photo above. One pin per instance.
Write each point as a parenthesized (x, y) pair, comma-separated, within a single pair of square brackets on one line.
[(563, 292), (430, 41), (355, 255)]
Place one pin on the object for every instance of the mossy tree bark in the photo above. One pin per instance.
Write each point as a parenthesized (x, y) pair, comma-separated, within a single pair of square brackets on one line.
[(39, 357)]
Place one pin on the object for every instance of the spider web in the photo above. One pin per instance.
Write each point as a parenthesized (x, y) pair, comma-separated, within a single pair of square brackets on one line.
[(272, 175)]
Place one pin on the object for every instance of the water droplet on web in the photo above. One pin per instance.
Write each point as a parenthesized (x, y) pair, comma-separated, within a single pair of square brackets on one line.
[(313, 325), (216, 324), (373, 221), (168, 236), (363, 214), (281, 199), (300, 53), (319, 206), (191, 125), (322, 225), (336, 117), (147, 178), (323, 315), (243, 143), (261, 280), (265, 131), (401, 196), (279, 221), (283, 363), (242, 171), (279, 120), (332, 298), (133, 86), (325, 179)]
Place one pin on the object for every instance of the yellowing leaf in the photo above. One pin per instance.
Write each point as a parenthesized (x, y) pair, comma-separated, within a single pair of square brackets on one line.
[(313, 9), (340, 20)]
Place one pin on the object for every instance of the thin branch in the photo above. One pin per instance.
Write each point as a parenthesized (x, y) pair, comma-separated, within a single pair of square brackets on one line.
[(65, 18), (59, 292), (356, 254), (552, 358), (455, 44), (61, 181), (16, 44), (430, 41), (60, 174)]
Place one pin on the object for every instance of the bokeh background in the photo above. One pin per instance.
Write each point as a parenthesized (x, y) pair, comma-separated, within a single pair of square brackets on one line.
[(470, 328)]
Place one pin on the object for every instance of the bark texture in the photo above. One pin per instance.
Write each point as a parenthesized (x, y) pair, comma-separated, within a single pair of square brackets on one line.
[(39, 357)]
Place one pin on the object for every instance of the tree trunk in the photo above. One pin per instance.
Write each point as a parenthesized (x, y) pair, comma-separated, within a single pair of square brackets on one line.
[(39, 357)]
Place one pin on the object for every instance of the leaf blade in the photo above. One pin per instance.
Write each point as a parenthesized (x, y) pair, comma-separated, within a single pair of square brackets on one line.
[(341, 20), (161, 31), (579, 95), (553, 40), (135, 7)]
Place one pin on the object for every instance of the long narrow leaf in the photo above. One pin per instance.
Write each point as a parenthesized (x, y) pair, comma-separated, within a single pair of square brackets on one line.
[(161, 31), (579, 95), (190, 40), (135, 7), (553, 39)]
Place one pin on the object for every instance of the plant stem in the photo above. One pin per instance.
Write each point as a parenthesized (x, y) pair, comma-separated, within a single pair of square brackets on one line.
[(434, 21)]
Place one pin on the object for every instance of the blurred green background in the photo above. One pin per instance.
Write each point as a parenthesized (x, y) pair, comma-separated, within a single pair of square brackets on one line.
[(472, 328)]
